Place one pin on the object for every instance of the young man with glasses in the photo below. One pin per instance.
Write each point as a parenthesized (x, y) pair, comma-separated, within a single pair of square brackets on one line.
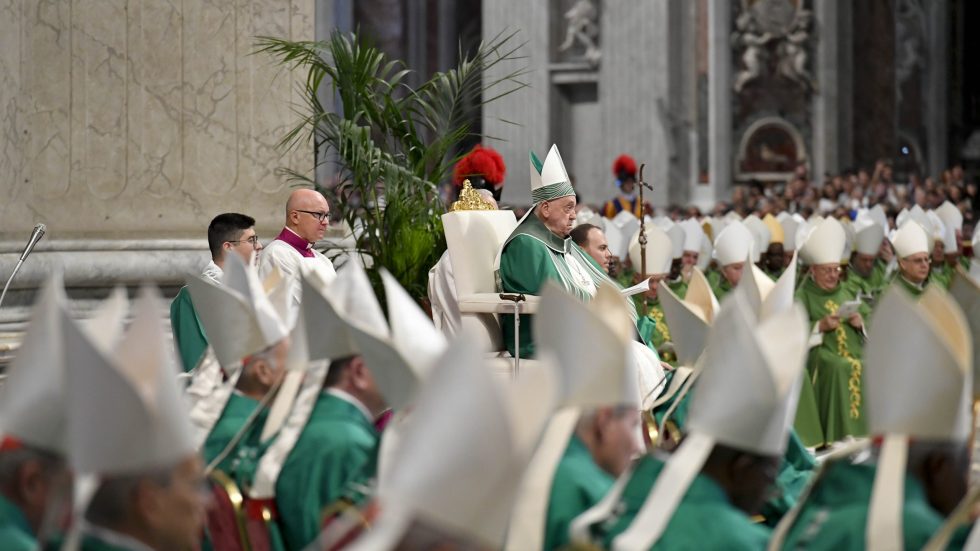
[(229, 232), (307, 219)]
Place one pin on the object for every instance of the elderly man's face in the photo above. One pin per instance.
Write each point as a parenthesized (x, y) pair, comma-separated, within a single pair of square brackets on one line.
[(826, 276), (616, 436), (915, 267), (598, 248), (558, 215)]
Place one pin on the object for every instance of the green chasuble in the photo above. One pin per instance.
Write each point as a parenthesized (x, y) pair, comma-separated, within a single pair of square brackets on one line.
[(15, 533), (188, 332), (532, 255), (679, 287), (795, 472), (870, 286), (720, 286), (578, 485), (835, 365), (337, 449), (232, 419), (704, 519), (907, 286), (835, 515), (942, 275)]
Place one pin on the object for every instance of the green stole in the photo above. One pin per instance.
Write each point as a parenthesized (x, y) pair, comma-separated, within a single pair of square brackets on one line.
[(578, 485), (336, 451), (704, 519), (188, 331), (835, 366), (15, 532), (653, 329), (529, 257), (834, 516)]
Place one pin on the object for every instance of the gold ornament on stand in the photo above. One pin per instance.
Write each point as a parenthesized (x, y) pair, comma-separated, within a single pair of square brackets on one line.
[(470, 199)]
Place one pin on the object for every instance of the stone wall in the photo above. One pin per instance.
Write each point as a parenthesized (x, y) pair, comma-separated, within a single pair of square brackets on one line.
[(128, 124)]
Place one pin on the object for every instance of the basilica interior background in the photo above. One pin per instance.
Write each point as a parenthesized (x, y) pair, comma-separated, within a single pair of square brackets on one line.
[(125, 125)]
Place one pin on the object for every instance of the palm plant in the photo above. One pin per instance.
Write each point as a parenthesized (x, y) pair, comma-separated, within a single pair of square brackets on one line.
[(393, 143)]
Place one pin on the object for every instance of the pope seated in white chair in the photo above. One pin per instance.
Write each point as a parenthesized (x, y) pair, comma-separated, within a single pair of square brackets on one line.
[(540, 249)]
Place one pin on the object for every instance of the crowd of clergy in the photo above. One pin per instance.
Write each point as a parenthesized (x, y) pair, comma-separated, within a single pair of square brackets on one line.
[(719, 382)]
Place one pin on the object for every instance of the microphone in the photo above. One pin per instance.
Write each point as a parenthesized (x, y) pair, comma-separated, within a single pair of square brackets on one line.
[(36, 236)]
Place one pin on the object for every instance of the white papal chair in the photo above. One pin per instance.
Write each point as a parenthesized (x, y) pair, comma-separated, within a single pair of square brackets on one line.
[(474, 238)]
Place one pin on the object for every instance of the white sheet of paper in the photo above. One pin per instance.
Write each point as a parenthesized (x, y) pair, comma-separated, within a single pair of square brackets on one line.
[(640, 287), (849, 308)]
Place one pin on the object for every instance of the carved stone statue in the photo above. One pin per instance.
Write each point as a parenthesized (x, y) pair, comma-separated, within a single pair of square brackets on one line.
[(792, 52), (581, 27), (754, 54), (779, 27)]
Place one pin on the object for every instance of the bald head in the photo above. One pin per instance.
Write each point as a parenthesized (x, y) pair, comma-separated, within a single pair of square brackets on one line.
[(307, 214)]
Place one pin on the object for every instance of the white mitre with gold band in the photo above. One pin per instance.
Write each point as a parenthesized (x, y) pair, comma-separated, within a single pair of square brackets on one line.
[(594, 372), (469, 494), (659, 253), (905, 401), (911, 238), (745, 399), (734, 244)]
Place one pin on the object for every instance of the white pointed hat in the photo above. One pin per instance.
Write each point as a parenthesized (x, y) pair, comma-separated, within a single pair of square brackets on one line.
[(659, 254), (950, 215), (745, 398), (677, 237), (909, 239), (825, 243), (877, 214), (32, 407), (765, 298), (868, 236), (596, 371), (693, 235), (760, 234), (691, 317), (461, 473), (400, 359), (704, 257), (935, 226), (125, 411), (617, 241), (904, 401), (549, 180), (734, 244), (951, 244), (237, 316)]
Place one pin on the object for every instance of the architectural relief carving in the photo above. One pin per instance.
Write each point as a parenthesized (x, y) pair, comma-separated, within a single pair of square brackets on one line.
[(582, 28), (773, 30)]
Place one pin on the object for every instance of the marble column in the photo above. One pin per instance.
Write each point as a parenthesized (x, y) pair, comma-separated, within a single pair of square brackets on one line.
[(936, 85), (832, 138), (719, 106), (129, 124), (634, 95), (519, 122), (875, 129)]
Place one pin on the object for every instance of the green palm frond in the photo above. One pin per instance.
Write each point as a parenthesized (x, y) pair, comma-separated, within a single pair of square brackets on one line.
[(394, 144)]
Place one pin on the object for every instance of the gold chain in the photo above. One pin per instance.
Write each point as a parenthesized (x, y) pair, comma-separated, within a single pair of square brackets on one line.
[(854, 381)]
